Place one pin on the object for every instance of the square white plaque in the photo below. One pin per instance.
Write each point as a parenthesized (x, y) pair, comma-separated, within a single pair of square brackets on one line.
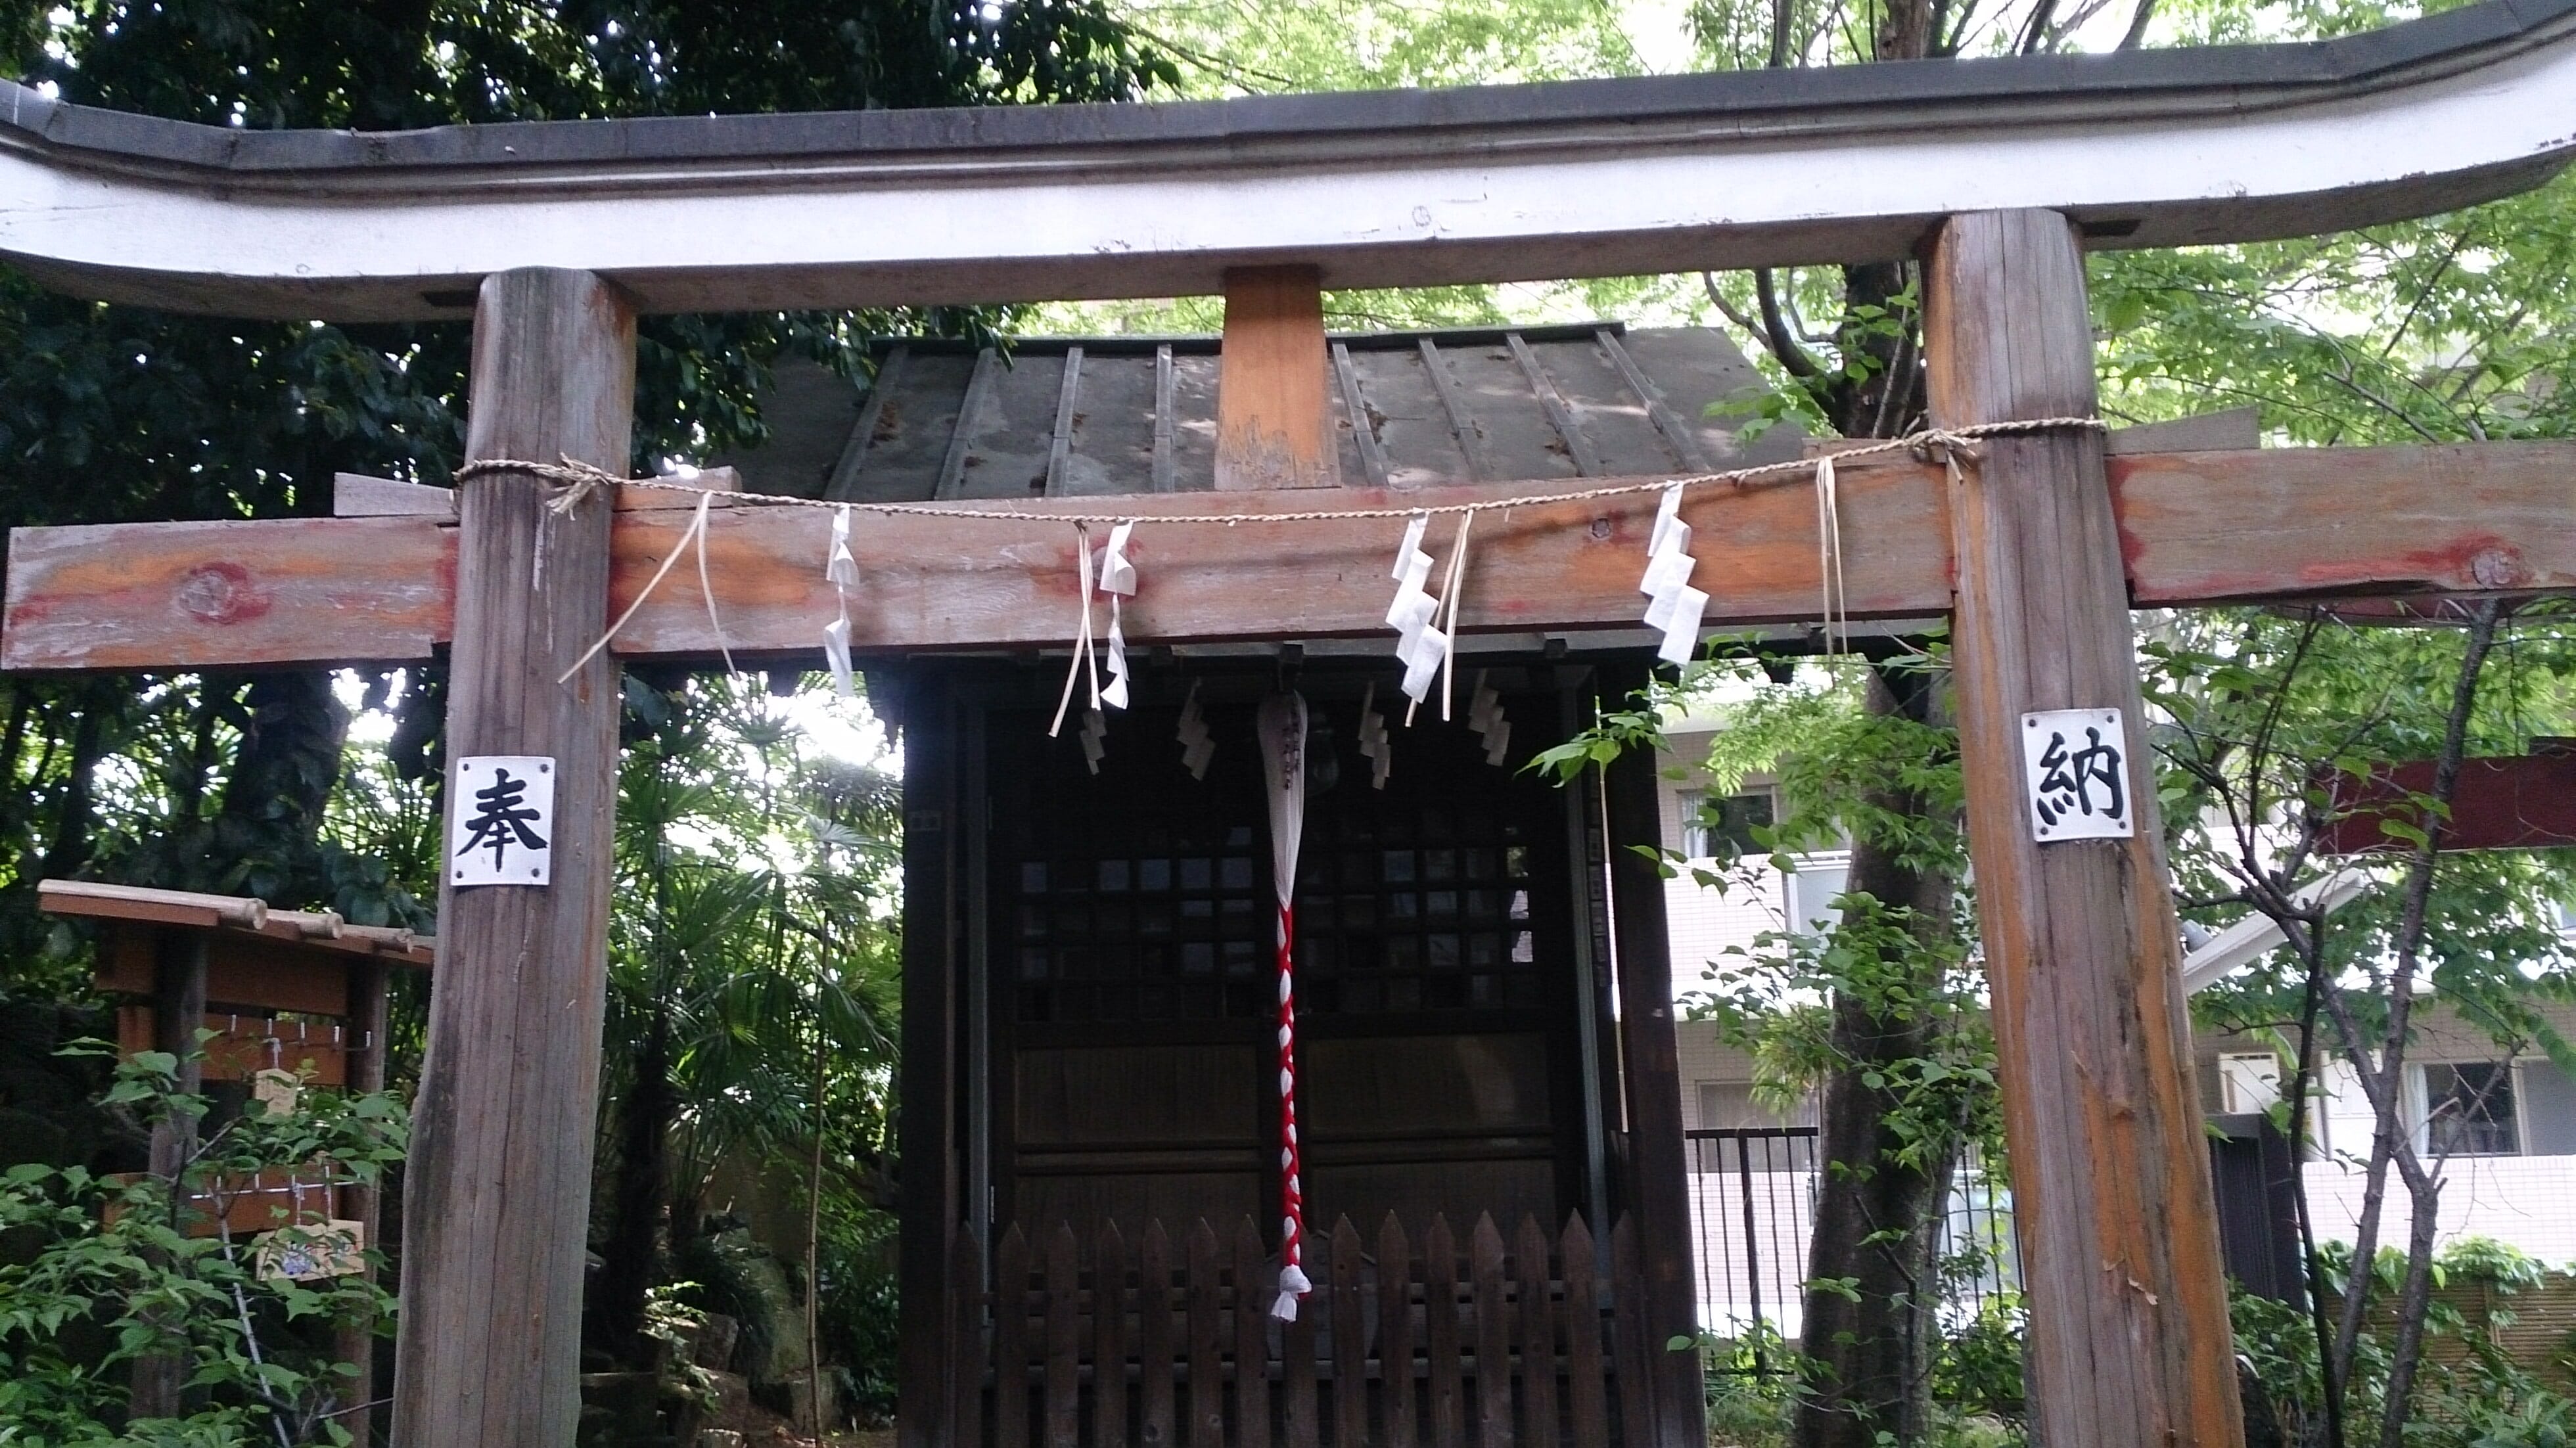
[(501, 820), (2076, 775)]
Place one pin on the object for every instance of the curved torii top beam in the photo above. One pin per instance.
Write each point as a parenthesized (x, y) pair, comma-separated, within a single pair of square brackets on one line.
[(1584, 178)]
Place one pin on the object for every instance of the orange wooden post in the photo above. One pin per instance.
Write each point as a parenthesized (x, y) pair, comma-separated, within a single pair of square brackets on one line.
[(1274, 414), (2110, 1173)]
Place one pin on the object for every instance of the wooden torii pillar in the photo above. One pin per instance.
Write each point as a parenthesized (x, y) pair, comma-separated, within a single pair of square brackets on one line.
[(2111, 1195), (496, 1197)]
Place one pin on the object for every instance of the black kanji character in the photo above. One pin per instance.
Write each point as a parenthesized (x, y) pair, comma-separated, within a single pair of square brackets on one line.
[(2067, 785), (499, 817)]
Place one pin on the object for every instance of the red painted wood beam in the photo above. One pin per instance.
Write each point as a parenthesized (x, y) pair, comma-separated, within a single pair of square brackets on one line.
[(2518, 802)]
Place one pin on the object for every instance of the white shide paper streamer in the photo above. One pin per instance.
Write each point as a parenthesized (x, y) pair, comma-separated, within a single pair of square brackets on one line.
[(1674, 607), (843, 571)]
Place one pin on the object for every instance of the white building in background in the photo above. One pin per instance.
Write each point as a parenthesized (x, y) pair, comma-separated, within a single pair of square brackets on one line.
[(2510, 1125)]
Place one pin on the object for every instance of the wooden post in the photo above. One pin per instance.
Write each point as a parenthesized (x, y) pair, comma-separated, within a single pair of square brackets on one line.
[(1274, 414), (1649, 1058), (2110, 1173), (354, 1341), (158, 1380), (933, 1207), (497, 1199)]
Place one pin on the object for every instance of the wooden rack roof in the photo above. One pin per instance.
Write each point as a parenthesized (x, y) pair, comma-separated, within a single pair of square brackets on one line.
[(234, 915)]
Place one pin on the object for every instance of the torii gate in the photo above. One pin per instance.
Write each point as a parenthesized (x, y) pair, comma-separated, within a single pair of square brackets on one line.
[(1998, 172)]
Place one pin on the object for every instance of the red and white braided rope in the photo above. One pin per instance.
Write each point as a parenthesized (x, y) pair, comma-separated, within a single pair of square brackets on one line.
[(1283, 764), (1292, 1194)]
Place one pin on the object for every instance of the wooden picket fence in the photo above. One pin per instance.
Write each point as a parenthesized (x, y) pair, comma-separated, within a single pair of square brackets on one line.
[(1108, 1348)]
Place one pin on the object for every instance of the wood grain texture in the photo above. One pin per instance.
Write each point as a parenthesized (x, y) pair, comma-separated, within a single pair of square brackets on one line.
[(2194, 528), (1207, 1335), (2210, 527), (1274, 412), (1447, 1398), (1156, 1335), (1063, 1378), (1537, 1333), (1658, 1188), (1350, 1337), (1300, 1417), (1253, 1286), (154, 595), (1493, 1336), (1108, 1339), (1395, 1326), (497, 1195), (2111, 1188), (1587, 1404), (1011, 1340), (1634, 1354)]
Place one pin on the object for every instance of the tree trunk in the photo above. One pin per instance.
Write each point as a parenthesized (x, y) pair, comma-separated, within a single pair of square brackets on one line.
[(640, 1197), (1877, 1221)]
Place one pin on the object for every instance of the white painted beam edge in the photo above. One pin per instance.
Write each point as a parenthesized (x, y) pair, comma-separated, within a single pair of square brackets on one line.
[(2242, 942), (1599, 203)]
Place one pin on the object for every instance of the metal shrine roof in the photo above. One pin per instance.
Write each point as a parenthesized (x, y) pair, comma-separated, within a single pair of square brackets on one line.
[(1066, 417)]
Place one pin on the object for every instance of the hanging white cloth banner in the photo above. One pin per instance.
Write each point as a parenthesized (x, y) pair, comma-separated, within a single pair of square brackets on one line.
[(1118, 580), (1282, 726), (843, 571), (1676, 606)]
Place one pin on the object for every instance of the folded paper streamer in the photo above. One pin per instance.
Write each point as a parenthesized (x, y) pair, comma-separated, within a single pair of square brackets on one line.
[(1196, 743), (1485, 716), (1374, 745), (1118, 580), (1418, 645), (1095, 728), (1674, 606), (842, 570)]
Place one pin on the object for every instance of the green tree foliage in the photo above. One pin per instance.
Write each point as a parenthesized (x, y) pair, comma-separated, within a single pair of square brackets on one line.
[(111, 414), (752, 978), (101, 1271)]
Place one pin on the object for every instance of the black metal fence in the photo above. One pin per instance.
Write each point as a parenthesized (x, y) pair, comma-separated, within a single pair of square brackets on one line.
[(1754, 1193)]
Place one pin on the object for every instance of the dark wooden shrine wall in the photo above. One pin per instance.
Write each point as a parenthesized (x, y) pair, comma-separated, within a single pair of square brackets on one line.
[(1130, 920)]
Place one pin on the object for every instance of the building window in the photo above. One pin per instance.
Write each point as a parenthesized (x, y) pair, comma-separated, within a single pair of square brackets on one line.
[(1724, 826), (1820, 880), (2469, 1109), (2248, 1083)]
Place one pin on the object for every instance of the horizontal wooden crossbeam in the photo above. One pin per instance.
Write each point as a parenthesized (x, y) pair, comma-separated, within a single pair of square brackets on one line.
[(1388, 189), (2196, 528)]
